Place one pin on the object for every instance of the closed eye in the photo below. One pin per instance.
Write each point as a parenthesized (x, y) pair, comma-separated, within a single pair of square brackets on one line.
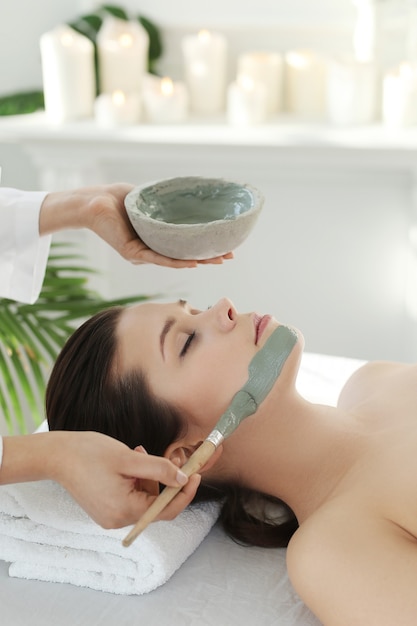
[(187, 344)]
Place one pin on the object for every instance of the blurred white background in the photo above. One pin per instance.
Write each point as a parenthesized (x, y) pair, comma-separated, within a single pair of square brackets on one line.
[(330, 253)]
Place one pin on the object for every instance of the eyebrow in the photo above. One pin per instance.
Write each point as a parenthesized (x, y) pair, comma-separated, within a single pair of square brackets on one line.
[(167, 327)]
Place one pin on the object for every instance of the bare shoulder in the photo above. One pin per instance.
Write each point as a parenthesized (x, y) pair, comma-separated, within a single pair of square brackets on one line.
[(354, 569), (368, 379)]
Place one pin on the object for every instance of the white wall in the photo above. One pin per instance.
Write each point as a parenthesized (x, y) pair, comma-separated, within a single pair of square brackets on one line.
[(341, 203), (235, 12), (21, 24)]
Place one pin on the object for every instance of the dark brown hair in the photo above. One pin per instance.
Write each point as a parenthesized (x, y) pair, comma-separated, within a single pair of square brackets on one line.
[(85, 392)]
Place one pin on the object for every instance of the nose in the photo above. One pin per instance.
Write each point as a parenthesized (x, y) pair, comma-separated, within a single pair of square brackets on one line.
[(224, 313)]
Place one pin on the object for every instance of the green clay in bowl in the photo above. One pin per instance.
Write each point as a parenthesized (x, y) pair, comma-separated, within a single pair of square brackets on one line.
[(193, 217)]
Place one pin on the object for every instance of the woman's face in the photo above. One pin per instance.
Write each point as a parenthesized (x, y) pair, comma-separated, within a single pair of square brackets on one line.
[(194, 359)]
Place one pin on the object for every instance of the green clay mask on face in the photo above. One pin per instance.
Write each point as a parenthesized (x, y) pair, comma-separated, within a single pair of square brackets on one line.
[(264, 370)]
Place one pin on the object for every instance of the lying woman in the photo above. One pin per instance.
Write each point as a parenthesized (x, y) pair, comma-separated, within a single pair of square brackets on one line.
[(160, 375)]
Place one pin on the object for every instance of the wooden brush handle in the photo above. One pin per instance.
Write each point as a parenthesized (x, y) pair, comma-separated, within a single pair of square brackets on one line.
[(193, 465)]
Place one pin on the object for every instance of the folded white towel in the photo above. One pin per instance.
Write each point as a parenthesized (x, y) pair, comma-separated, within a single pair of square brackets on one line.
[(45, 535)]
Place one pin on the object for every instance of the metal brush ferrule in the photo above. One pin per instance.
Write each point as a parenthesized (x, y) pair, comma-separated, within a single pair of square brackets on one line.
[(216, 438)]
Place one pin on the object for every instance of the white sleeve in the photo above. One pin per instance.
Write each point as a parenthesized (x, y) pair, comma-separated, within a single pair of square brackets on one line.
[(23, 253)]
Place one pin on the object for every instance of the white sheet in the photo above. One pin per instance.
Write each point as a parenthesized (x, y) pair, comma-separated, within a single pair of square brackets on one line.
[(221, 584)]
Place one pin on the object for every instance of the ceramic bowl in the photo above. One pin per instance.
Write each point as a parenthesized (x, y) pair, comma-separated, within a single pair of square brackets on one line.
[(193, 217)]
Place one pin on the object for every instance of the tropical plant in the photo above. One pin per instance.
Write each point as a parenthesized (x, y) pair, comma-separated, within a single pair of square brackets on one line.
[(31, 335)]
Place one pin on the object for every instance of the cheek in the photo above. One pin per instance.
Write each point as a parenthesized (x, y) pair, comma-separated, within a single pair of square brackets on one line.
[(211, 389)]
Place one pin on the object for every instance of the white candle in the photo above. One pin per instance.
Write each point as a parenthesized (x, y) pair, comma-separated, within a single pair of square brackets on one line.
[(305, 82), (117, 109), (247, 102), (265, 68), (365, 35), (205, 71), (165, 101), (351, 92), (411, 40), (122, 49), (399, 97), (68, 74)]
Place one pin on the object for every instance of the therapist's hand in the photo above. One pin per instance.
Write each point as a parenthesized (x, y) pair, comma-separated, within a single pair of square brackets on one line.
[(113, 483), (101, 209)]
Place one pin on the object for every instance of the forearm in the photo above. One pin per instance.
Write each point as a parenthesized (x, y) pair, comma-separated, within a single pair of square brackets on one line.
[(29, 457), (63, 209), (85, 207)]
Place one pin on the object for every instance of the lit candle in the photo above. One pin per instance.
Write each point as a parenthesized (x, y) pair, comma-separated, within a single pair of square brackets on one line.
[(117, 108), (247, 102), (165, 101), (265, 68), (205, 71), (305, 81), (68, 74), (122, 55), (351, 92), (399, 96)]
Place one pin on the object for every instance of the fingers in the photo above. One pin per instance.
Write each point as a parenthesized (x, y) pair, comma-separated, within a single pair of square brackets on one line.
[(156, 468), (140, 501), (217, 260), (139, 253), (182, 500), (146, 255), (162, 470)]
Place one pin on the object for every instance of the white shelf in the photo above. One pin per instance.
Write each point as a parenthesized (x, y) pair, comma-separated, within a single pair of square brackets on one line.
[(281, 132)]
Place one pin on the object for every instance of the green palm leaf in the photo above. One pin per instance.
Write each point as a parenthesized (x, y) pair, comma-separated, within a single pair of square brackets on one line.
[(31, 336)]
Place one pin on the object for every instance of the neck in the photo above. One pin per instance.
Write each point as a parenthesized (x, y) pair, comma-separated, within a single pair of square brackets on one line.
[(293, 450)]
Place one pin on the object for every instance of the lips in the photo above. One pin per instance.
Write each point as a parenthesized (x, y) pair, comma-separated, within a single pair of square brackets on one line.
[(261, 322)]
